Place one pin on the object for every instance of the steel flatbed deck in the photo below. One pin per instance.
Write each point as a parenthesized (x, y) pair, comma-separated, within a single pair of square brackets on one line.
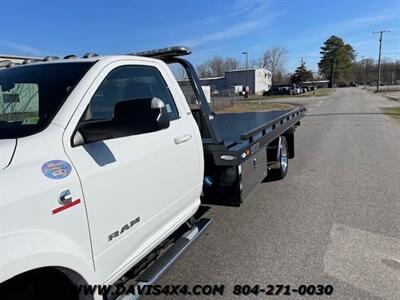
[(238, 147), (241, 131)]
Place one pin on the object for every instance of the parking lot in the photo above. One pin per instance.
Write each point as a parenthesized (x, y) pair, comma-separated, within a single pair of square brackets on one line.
[(333, 220)]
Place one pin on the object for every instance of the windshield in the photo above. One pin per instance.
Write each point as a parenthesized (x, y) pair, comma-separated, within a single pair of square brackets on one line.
[(31, 95)]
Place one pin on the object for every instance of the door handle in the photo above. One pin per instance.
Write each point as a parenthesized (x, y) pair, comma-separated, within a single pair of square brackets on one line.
[(183, 138)]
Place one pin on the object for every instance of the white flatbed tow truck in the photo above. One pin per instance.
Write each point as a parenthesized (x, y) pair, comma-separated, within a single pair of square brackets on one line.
[(103, 166)]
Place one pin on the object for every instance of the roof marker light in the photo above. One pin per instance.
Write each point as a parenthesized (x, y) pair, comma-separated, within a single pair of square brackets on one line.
[(5, 63), (28, 61), (89, 55), (70, 56), (50, 57)]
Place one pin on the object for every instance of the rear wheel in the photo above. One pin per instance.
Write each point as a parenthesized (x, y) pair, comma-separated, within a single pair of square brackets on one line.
[(283, 161)]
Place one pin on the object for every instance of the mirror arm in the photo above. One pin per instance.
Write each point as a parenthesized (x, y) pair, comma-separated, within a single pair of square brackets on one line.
[(77, 139)]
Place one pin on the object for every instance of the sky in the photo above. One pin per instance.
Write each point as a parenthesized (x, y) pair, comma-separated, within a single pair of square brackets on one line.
[(209, 27)]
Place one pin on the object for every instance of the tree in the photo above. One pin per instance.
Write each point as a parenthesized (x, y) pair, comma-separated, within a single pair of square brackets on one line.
[(230, 64), (217, 66), (203, 71), (301, 74), (274, 59), (337, 58)]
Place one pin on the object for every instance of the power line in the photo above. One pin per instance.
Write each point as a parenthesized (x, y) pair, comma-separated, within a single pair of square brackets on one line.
[(379, 58)]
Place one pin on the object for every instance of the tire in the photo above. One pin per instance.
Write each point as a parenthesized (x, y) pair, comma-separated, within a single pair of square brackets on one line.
[(283, 158), (38, 285)]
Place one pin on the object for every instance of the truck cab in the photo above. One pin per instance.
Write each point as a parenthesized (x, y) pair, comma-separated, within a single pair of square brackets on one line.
[(100, 161)]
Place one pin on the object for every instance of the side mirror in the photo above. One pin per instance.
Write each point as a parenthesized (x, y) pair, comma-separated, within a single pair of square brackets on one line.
[(162, 118), (77, 139)]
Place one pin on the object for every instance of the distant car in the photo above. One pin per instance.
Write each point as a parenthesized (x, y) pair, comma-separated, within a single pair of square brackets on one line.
[(283, 89), (353, 84), (296, 90)]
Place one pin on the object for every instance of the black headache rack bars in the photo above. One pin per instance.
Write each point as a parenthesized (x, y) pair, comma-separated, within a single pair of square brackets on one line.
[(215, 145), (169, 55)]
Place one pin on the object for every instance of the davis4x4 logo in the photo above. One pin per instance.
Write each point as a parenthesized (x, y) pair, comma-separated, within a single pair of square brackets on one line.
[(124, 228)]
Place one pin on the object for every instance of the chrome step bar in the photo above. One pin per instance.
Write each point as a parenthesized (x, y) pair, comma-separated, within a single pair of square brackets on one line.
[(153, 273)]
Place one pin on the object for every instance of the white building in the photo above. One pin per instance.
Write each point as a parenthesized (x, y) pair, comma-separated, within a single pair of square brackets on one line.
[(258, 80)]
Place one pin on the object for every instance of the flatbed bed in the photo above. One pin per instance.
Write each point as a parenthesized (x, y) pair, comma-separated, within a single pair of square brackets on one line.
[(239, 148)]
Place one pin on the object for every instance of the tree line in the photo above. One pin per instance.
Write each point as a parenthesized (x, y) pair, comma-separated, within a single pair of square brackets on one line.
[(338, 64)]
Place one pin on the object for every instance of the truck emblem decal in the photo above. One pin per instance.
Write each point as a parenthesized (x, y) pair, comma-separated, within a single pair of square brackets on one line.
[(56, 169), (64, 207), (123, 229)]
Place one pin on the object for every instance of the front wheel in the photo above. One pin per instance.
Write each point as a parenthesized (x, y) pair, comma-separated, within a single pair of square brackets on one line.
[(283, 161), (41, 284)]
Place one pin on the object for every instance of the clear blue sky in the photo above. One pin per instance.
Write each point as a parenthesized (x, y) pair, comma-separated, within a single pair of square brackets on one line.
[(209, 27)]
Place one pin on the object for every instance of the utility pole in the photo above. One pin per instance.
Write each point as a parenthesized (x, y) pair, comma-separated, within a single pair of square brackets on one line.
[(246, 53), (393, 72), (333, 72), (379, 59), (365, 74)]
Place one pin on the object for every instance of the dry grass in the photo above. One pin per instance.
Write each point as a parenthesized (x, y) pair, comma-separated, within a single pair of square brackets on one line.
[(247, 106), (318, 93), (394, 112)]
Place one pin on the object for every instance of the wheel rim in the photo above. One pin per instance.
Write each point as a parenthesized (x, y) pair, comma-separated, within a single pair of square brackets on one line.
[(284, 158)]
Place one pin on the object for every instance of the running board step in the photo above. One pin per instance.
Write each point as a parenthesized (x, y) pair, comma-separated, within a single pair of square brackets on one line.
[(151, 275)]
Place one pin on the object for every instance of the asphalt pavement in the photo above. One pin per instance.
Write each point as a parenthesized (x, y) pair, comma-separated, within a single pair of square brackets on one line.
[(335, 218)]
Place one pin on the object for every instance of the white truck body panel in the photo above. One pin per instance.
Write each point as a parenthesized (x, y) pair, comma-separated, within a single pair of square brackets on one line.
[(6, 151), (31, 235), (149, 176), (144, 173)]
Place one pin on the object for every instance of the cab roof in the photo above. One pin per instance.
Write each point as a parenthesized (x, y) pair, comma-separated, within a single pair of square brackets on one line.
[(162, 53)]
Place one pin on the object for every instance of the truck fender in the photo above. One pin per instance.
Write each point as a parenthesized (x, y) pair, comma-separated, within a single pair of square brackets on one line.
[(29, 250)]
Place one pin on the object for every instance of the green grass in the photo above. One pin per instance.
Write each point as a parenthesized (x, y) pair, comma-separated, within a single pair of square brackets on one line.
[(394, 112), (242, 106), (318, 93)]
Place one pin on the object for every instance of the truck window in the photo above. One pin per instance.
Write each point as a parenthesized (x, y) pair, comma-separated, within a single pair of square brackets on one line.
[(129, 83), (31, 95)]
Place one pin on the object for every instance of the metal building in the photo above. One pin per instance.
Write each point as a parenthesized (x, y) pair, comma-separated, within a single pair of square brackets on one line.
[(258, 81)]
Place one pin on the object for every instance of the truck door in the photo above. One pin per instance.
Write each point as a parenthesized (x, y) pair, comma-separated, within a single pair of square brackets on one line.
[(136, 181)]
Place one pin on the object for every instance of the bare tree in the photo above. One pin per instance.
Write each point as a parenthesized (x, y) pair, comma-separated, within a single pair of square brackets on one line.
[(252, 64), (217, 66), (203, 70), (274, 59), (231, 64)]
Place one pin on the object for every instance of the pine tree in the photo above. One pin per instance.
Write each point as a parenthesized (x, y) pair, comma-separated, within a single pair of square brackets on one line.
[(337, 58), (301, 74)]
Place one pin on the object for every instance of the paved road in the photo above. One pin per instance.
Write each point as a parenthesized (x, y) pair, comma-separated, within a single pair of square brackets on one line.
[(335, 219)]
